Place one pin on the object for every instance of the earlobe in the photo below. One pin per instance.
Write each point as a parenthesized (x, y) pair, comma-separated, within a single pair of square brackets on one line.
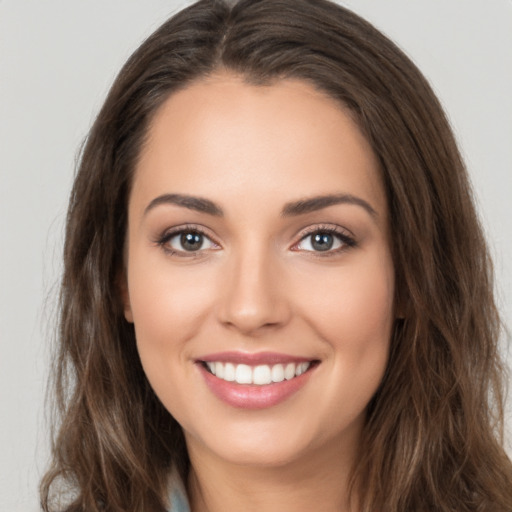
[(128, 313), (122, 285), (400, 313)]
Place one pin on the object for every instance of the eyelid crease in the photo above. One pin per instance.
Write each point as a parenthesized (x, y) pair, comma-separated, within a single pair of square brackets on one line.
[(329, 228), (162, 239), (346, 237)]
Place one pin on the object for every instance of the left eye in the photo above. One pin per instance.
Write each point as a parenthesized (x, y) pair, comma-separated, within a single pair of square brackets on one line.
[(189, 241), (322, 241)]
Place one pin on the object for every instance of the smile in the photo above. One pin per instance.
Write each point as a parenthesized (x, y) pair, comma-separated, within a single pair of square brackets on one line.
[(255, 381), (260, 375)]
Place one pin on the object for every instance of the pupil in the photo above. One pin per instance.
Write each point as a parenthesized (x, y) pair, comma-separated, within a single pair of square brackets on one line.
[(322, 241), (191, 241)]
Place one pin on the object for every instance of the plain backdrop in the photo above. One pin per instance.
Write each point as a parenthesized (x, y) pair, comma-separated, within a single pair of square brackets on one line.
[(57, 60)]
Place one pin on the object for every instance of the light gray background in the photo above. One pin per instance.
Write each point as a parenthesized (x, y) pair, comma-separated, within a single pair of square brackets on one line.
[(57, 59)]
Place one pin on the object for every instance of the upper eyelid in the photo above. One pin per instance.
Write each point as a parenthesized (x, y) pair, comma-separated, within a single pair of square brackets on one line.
[(346, 237), (318, 228), (164, 236), (168, 233), (176, 230)]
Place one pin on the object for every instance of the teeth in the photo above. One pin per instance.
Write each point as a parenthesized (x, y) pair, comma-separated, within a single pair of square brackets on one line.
[(301, 368), (262, 375), (243, 374), (229, 372), (289, 371), (259, 375), (277, 373)]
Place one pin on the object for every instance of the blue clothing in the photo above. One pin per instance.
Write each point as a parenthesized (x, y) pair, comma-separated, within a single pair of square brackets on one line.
[(178, 500)]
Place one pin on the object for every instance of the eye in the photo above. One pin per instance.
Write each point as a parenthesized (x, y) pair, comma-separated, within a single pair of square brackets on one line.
[(186, 241), (325, 240)]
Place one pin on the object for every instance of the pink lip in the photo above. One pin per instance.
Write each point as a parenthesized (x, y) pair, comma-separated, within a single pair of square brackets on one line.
[(250, 396), (254, 359)]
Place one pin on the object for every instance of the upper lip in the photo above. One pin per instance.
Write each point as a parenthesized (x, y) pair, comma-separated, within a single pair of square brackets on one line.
[(253, 359)]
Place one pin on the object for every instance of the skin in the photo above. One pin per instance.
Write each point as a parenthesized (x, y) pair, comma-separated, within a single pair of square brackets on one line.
[(259, 285)]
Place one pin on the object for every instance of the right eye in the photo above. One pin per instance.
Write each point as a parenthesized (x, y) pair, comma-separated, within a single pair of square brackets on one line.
[(185, 241)]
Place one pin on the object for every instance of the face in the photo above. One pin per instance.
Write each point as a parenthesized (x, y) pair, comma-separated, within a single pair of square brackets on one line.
[(259, 276)]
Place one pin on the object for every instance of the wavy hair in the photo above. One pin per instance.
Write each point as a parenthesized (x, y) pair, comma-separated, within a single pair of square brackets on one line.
[(434, 430)]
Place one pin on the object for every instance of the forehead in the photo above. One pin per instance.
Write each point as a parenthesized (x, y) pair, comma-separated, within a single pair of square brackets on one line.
[(277, 142)]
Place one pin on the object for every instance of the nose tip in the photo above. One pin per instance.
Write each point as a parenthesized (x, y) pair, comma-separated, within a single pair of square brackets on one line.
[(254, 299), (251, 318)]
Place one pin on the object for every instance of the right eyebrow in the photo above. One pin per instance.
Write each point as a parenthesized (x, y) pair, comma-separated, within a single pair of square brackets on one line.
[(197, 204)]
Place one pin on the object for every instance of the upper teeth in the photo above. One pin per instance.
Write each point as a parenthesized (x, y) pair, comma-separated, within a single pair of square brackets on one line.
[(259, 375)]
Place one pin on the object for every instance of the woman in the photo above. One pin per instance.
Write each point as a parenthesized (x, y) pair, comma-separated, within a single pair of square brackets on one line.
[(276, 287)]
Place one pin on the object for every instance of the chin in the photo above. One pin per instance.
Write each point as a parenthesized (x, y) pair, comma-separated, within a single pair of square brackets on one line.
[(272, 443)]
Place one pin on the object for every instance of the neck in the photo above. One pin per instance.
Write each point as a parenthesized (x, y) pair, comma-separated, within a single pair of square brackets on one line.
[(301, 485)]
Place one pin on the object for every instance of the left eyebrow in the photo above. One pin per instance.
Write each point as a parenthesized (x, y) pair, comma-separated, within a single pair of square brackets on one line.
[(313, 204)]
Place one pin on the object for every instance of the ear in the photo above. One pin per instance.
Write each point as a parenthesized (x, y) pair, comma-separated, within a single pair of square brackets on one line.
[(124, 295)]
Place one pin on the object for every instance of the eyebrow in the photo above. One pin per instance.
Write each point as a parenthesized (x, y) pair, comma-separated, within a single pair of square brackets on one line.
[(197, 204), (300, 207), (312, 204)]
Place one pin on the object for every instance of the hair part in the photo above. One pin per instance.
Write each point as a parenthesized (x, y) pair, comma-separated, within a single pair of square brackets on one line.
[(432, 439)]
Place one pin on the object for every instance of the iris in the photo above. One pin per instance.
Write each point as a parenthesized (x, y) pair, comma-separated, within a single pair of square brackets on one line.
[(322, 241)]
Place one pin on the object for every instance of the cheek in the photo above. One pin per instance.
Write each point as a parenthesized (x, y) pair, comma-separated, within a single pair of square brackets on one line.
[(354, 319), (353, 307), (167, 304), (352, 312)]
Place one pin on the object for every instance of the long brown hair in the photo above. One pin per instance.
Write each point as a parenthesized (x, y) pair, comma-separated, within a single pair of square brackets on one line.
[(433, 436)]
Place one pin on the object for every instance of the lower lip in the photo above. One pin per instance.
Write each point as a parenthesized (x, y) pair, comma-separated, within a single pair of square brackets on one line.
[(250, 396)]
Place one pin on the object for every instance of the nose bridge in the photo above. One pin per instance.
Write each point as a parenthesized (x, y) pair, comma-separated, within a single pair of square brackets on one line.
[(252, 297)]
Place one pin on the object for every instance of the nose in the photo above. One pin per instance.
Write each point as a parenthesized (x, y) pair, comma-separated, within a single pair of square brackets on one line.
[(254, 298)]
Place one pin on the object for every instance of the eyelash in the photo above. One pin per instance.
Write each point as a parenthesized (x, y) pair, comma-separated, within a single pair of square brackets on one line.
[(347, 241), (165, 238)]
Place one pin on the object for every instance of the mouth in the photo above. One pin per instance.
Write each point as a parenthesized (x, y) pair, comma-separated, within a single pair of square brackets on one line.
[(255, 381), (260, 375)]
